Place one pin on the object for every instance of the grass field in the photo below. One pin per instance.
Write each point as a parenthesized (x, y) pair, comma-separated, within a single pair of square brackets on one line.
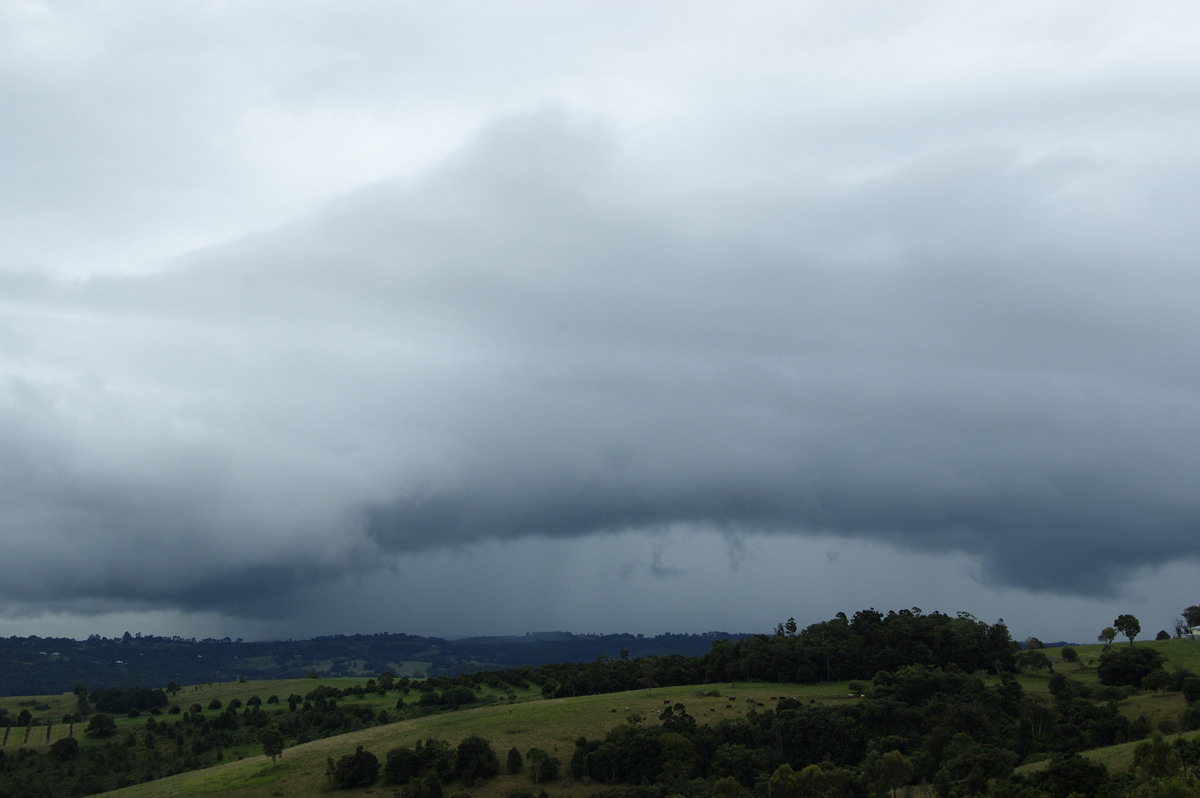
[(552, 725), (1179, 653), (50, 727)]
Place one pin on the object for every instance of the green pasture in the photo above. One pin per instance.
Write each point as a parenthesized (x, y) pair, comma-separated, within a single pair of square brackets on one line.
[(552, 725), (48, 711), (1179, 654)]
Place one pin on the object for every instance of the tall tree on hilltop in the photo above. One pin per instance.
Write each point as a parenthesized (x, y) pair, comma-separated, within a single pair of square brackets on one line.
[(1128, 626), (1191, 616)]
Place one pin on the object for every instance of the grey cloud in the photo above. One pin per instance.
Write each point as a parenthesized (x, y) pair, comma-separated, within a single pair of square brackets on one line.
[(960, 353)]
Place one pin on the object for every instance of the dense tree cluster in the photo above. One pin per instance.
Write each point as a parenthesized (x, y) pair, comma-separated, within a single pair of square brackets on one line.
[(120, 700), (860, 646)]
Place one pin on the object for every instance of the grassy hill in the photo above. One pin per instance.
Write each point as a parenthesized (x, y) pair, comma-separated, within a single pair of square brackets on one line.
[(552, 725), (1179, 653)]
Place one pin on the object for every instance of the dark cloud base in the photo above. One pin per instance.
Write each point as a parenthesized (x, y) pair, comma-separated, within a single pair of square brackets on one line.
[(527, 341)]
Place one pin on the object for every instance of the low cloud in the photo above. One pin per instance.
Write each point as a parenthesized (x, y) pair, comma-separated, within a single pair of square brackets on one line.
[(961, 353)]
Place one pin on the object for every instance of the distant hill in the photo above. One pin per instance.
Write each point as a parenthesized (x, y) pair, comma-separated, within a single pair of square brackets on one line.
[(45, 666)]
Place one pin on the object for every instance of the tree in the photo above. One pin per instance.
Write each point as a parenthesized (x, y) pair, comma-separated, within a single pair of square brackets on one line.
[(1155, 759), (1163, 634), (1128, 626), (536, 758), (1069, 654), (1107, 635), (726, 787), (101, 726), (272, 743), (65, 749), (1071, 775), (783, 783), (1034, 659), (813, 781), (400, 765), (1157, 680), (359, 769), (475, 761), (515, 761), (894, 771), (82, 705), (1120, 666), (1033, 642), (1191, 615)]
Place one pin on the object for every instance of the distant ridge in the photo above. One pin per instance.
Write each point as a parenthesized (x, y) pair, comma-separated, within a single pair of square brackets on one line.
[(46, 666)]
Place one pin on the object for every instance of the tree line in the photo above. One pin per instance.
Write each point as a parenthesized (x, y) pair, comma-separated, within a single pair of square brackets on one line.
[(920, 673)]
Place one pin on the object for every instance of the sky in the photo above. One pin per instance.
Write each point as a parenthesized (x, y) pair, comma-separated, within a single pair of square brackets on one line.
[(482, 318)]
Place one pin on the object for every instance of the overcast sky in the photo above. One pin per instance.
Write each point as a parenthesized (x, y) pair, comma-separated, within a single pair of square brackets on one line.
[(454, 318)]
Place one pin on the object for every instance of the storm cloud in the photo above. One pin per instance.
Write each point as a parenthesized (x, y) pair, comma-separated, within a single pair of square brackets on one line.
[(955, 319)]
